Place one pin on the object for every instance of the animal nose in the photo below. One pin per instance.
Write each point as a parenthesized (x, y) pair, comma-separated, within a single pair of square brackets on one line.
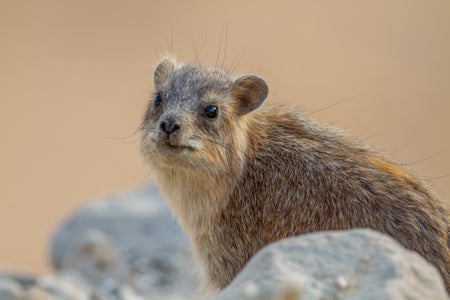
[(169, 126)]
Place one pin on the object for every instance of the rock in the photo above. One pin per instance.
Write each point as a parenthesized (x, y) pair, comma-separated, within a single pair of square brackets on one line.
[(127, 239), (62, 287), (10, 290), (37, 293), (353, 264), (68, 286), (23, 279), (20, 277), (120, 293), (94, 257)]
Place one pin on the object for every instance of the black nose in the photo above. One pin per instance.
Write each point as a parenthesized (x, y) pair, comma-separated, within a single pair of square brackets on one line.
[(169, 126)]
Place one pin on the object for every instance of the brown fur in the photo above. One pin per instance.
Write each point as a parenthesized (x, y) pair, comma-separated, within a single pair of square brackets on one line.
[(253, 176)]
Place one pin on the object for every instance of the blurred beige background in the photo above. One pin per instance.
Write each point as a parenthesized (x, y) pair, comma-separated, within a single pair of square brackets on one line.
[(76, 76)]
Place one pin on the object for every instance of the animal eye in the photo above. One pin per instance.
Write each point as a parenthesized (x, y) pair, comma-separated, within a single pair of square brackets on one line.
[(157, 100), (211, 111)]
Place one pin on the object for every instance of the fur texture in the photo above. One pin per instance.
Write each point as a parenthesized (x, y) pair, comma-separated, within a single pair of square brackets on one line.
[(251, 175)]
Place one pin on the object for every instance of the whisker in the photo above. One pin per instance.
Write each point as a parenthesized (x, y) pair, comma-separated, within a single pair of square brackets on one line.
[(155, 50), (168, 44), (225, 48), (131, 142), (136, 131), (172, 48), (372, 135), (237, 60), (402, 147), (194, 46), (439, 177), (426, 158), (334, 104), (203, 43), (217, 143), (214, 142), (220, 47)]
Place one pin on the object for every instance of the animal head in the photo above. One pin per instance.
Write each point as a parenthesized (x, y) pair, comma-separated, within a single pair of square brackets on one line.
[(197, 117)]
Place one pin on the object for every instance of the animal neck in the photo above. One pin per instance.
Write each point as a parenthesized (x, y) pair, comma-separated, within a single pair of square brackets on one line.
[(193, 197)]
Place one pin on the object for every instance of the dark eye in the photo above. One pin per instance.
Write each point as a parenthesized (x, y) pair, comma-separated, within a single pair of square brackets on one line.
[(211, 111), (157, 100)]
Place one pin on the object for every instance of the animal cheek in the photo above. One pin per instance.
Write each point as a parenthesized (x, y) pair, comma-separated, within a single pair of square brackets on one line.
[(147, 147)]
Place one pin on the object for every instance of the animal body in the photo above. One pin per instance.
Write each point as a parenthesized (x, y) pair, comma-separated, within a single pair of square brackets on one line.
[(239, 176)]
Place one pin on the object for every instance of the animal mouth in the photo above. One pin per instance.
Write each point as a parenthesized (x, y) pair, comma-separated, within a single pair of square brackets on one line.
[(168, 145)]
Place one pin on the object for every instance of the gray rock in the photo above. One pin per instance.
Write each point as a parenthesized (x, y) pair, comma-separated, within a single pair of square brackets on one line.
[(61, 287), (36, 293), (129, 238), (10, 290), (94, 257), (20, 277), (354, 264)]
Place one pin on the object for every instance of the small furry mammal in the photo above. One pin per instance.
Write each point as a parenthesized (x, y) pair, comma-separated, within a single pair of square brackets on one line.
[(239, 176)]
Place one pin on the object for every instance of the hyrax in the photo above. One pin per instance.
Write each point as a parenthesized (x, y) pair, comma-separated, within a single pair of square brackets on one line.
[(239, 176)]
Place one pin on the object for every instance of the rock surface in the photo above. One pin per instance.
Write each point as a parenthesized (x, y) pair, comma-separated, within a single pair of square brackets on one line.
[(129, 247), (354, 264), (10, 290), (130, 238)]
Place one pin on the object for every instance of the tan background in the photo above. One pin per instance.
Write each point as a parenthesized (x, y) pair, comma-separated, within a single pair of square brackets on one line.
[(75, 78)]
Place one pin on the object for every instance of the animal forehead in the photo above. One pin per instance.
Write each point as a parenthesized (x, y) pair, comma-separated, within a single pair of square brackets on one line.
[(193, 80)]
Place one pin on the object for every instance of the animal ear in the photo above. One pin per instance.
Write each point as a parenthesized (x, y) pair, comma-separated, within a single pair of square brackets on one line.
[(249, 92), (162, 70)]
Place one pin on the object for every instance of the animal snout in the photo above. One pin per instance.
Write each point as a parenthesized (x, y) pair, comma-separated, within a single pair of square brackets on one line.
[(169, 126)]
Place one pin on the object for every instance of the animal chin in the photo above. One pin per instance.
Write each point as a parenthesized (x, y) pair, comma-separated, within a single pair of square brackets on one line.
[(171, 155)]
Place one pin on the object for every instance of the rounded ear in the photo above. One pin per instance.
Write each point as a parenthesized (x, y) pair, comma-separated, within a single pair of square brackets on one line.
[(249, 92), (162, 70)]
